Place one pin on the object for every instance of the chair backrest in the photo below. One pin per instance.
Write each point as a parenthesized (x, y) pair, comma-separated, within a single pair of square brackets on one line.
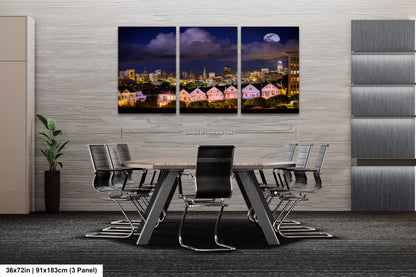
[(290, 152), (213, 171), (303, 155), (320, 157), (123, 152), (99, 159), (114, 155)]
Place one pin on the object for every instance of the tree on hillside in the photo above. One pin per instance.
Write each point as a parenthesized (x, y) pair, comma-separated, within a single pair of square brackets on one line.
[(254, 102), (277, 100)]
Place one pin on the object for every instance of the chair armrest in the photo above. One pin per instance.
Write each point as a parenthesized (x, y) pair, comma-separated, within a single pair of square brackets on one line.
[(187, 174), (116, 170)]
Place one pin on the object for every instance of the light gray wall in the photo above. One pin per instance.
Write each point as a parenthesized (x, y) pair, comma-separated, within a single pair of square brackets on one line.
[(76, 83)]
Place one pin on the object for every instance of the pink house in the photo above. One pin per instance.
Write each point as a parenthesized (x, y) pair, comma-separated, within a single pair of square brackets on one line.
[(231, 93), (250, 91), (269, 90), (198, 95), (215, 94), (184, 96)]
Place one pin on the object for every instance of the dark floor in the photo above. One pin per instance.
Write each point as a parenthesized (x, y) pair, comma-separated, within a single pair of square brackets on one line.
[(364, 244)]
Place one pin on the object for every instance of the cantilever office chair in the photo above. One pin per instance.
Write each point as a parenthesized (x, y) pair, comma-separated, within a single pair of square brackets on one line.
[(283, 175), (106, 179), (118, 154), (265, 186), (289, 157), (297, 193), (213, 184)]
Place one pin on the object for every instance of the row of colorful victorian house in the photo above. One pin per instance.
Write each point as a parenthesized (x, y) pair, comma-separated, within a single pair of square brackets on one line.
[(213, 94)]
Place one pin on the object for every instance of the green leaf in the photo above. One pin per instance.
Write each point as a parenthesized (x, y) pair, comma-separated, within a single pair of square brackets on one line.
[(60, 164), (62, 146), (57, 133), (58, 155), (43, 120), (46, 137), (51, 124), (48, 144), (50, 156)]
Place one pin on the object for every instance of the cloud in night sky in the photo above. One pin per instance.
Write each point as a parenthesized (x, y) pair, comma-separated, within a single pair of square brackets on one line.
[(266, 50), (198, 44), (160, 49)]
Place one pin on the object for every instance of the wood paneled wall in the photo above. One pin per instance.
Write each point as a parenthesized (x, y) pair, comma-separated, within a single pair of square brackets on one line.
[(76, 83)]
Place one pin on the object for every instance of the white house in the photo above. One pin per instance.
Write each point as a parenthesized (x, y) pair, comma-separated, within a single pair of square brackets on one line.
[(184, 96), (231, 93), (126, 97), (215, 94), (198, 95), (269, 90), (163, 99), (250, 91)]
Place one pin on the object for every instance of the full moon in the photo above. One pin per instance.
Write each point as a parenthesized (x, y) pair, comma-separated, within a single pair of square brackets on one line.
[(271, 37)]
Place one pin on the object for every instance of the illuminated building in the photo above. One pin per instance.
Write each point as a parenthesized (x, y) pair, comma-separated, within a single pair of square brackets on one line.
[(198, 95), (231, 92), (293, 73), (163, 99), (269, 90), (211, 75), (131, 74), (158, 72), (126, 97), (280, 66), (264, 71), (204, 75), (215, 94), (227, 70), (250, 91), (184, 96)]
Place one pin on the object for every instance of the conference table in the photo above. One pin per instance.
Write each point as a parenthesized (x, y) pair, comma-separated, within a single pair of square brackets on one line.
[(244, 171)]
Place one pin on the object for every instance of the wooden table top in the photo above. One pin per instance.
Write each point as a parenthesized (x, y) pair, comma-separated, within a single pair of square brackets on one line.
[(190, 162)]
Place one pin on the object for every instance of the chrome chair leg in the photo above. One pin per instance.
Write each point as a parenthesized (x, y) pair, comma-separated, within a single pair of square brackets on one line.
[(115, 232), (224, 247), (296, 233)]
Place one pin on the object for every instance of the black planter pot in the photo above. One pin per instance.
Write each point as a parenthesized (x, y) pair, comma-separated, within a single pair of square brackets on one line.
[(52, 190)]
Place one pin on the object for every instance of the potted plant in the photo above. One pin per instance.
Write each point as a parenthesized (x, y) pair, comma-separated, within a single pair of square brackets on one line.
[(52, 153)]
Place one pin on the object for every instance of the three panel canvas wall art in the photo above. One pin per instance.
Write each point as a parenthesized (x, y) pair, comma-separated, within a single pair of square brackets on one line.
[(208, 79)]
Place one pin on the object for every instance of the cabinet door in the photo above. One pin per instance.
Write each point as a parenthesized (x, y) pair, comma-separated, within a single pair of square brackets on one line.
[(12, 38), (13, 169)]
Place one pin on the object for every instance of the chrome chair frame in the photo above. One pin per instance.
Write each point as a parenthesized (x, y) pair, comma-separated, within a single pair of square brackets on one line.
[(116, 193), (206, 196), (292, 199), (114, 151)]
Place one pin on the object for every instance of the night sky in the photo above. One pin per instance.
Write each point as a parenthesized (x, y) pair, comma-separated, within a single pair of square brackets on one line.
[(212, 47), (256, 53), (154, 48), (147, 48)]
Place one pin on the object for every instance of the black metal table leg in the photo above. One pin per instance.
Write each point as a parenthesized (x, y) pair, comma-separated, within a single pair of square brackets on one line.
[(161, 195), (254, 198)]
